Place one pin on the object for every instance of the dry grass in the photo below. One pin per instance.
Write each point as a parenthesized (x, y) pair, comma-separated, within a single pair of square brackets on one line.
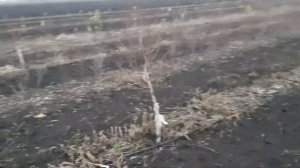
[(95, 151), (202, 111), (205, 109), (108, 147)]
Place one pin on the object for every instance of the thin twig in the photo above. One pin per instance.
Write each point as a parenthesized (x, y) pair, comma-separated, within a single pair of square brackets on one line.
[(89, 162), (150, 148), (187, 137), (96, 164), (169, 141), (208, 148)]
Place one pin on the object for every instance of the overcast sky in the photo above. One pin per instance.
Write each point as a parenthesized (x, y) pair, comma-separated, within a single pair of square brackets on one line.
[(34, 1)]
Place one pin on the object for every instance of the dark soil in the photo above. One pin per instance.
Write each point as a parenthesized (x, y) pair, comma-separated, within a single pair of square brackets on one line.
[(25, 139), (268, 138), (230, 73)]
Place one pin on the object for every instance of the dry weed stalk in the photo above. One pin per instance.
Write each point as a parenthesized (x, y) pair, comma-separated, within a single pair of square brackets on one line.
[(21, 57), (158, 118)]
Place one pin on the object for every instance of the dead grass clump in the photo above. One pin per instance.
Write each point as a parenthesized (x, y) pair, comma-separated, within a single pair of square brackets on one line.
[(105, 149), (99, 150), (122, 79), (205, 109), (216, 103), (202, 111)]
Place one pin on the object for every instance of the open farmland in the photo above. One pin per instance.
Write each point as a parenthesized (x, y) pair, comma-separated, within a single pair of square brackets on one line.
[(73, 91)]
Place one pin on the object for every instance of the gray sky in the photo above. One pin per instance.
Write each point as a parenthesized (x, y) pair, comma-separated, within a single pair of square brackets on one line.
[(33, 1)]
